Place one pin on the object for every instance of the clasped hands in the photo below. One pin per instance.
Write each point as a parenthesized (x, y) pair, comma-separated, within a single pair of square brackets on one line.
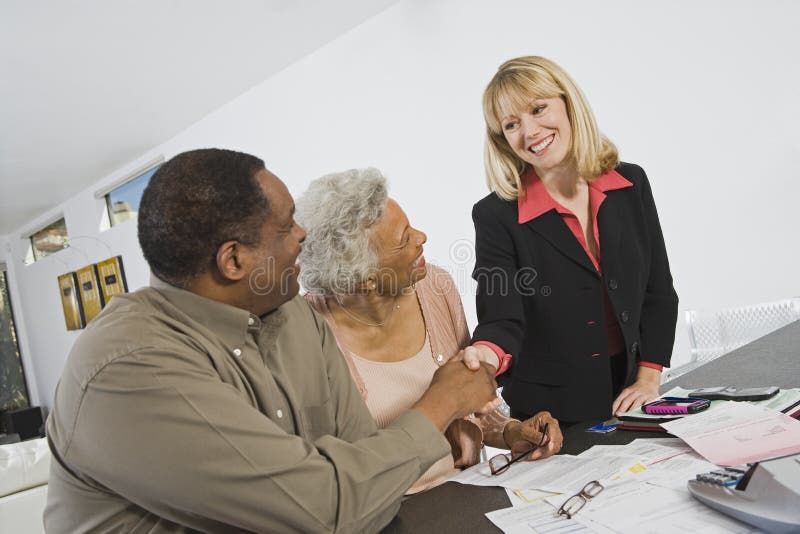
[(519, 436)]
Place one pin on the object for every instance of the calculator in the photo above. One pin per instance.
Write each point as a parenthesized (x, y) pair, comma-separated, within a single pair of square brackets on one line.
[(765, 494)]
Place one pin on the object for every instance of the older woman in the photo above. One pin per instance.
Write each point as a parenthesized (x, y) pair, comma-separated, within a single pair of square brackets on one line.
[(395, 318), (590, 316)]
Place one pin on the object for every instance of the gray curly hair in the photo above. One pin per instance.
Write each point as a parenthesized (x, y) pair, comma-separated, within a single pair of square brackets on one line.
[(336, 211)]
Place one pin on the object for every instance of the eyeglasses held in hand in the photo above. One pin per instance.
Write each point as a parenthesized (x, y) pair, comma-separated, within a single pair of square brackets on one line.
[(573, 505), (501, 462)]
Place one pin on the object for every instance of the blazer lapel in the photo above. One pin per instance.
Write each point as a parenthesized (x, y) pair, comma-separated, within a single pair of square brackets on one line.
[(610, 229), (552, 227)]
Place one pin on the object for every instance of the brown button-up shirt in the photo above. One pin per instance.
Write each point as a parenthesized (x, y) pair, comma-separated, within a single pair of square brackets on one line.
[(177, 413)]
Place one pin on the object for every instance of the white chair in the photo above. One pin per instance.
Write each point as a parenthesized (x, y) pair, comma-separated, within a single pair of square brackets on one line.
[(714, 333)]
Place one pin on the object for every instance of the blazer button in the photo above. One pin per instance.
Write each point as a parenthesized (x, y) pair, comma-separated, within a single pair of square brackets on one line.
[(613, 284), (624, 316), (635, 348)]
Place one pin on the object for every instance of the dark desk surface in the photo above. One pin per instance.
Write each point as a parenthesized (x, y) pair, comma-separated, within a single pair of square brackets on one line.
[(773, 360)]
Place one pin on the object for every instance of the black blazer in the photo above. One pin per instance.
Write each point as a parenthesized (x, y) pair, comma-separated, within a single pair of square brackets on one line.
[(540, 298)]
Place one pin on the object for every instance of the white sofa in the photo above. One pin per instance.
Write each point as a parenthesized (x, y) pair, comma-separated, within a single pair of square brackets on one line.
[(24, 468)]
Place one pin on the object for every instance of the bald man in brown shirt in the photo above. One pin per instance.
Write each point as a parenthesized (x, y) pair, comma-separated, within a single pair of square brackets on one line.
[(215, 400)]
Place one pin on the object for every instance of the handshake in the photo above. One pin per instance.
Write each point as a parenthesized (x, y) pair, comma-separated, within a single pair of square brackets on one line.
[(466, 385)]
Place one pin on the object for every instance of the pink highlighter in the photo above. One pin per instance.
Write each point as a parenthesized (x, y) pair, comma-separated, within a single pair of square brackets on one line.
[(676, 406)]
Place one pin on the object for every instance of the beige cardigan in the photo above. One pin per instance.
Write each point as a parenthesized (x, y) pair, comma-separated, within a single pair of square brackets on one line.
[(447, 330)]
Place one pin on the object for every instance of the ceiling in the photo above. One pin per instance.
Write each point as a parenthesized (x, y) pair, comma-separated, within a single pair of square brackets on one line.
[(87, 86)]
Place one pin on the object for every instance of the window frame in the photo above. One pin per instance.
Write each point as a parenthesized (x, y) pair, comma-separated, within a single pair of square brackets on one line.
[(104, 194), (33, 256), (15, 339)]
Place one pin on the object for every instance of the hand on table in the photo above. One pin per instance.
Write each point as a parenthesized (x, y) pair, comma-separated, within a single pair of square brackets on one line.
[(640, 392), (521, 436)]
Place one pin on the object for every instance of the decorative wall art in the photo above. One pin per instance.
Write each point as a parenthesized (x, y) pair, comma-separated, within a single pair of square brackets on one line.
[(91, 299), (112, 277), (71, 301)]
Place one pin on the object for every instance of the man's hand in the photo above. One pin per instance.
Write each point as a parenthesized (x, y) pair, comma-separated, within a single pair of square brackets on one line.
[(456, 391), (521, 436), (473, 356), (640, 392)]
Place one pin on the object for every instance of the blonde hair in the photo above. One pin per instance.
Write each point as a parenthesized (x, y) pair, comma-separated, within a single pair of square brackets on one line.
[(518, 82)]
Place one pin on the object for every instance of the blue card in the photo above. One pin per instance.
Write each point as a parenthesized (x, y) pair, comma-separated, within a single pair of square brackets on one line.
[(605, 427)]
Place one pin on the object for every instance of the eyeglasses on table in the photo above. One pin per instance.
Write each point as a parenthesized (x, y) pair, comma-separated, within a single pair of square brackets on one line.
[(573, 505), (501, 462)]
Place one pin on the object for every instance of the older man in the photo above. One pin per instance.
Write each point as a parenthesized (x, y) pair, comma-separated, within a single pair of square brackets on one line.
[(215, 399)]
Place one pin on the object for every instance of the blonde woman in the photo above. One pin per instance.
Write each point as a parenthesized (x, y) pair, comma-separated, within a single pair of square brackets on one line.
[(575, 295)]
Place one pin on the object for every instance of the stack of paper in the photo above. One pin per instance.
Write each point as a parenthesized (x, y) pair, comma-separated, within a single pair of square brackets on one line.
[(645, 481), (644, 491)]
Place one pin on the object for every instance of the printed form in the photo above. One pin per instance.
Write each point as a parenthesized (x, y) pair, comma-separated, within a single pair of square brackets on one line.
[(636, 508), (737, 433), (557, 474)]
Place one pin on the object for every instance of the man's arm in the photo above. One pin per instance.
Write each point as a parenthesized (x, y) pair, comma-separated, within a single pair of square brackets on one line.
[(176, 441), (185, 446)]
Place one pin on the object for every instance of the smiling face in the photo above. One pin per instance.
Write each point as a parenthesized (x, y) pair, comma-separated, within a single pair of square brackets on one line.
[(399, 248), (539, 133), (273, 276)]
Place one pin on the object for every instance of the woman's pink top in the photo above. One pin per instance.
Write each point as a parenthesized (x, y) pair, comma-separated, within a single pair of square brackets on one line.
[(389, 389)]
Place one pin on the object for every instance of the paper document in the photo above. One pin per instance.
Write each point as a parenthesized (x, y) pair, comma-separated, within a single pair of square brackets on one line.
[(668, 462), (539, 518), (557, 474), (674, 472), (636, 508), (632, 507), (527, 496), (738, 433), (650, 449), (514, 497)]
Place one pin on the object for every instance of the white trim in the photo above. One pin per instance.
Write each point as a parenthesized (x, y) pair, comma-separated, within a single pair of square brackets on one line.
[(101, 193)]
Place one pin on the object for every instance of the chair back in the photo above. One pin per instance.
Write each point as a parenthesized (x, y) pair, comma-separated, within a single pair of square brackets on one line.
[(712, 334)]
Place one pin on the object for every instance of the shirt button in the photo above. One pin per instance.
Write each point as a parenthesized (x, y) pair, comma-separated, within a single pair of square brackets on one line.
[(279, 413), (613, 284), (237, 353), (635, 348), (439, 358), (624, 316), (251, 321)]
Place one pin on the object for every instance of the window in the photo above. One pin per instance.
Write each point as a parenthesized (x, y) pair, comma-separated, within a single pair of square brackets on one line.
[(122, 202), (13, 390), (48, 240)]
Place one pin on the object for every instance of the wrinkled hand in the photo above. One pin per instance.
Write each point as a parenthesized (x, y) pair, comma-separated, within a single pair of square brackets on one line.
[(473, 356), (521, 436), (640, 392)]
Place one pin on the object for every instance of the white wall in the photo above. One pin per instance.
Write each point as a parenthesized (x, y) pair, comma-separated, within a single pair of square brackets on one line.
[(702, 94)]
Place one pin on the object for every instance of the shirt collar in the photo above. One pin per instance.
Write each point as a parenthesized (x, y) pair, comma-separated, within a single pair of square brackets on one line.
[(536, 201), (227, 322)]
